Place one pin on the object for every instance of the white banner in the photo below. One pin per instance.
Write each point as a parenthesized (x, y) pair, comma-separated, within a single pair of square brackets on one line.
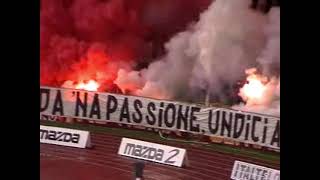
[(212, 121), (64, 137), (247, 171), (152, 152)]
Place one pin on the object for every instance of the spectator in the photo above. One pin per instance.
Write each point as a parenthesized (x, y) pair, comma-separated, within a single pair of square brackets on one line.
[(138, 169)]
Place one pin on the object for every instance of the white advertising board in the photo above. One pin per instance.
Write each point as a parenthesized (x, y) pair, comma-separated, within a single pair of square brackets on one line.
[(64, 137), (152, 152), (247, 171)]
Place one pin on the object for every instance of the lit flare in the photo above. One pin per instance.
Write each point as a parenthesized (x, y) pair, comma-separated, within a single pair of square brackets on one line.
[(254, 89), (89, 86)]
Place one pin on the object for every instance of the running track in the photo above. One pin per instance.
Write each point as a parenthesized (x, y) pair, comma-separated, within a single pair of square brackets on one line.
[(102, 163)]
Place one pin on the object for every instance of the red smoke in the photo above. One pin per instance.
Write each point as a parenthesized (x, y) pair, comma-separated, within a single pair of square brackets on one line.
[(82, 40)]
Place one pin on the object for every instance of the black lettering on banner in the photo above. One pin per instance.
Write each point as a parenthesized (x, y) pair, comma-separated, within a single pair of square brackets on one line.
[(81, 105), (175, 153), (194, 118), (210, 123), (247, 173), (137, 106), (95, 108), (258, 172), (183, 118), (226, 125), (253, 129), (144, 152), (152, 153), (159, 155), (60, 136), (112, 105), (242, 170), (235, 173), (58, 104), (276, 135), (269, 174), (160, 114), (151, 107), (247, 126), (75, 138), (238, 117), (124, 113), (43, 134), (129, 149), (166, 114), (45, 92), (264, 174), (67, 137), (265, 128), (52, 135), (137, 150), (252, 174)]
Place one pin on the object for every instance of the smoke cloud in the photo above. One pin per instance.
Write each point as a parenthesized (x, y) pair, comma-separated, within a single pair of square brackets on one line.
[(210, 56), (269, 61)]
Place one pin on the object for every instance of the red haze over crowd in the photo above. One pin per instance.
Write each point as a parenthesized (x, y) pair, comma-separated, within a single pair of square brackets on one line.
[(81, 40)]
